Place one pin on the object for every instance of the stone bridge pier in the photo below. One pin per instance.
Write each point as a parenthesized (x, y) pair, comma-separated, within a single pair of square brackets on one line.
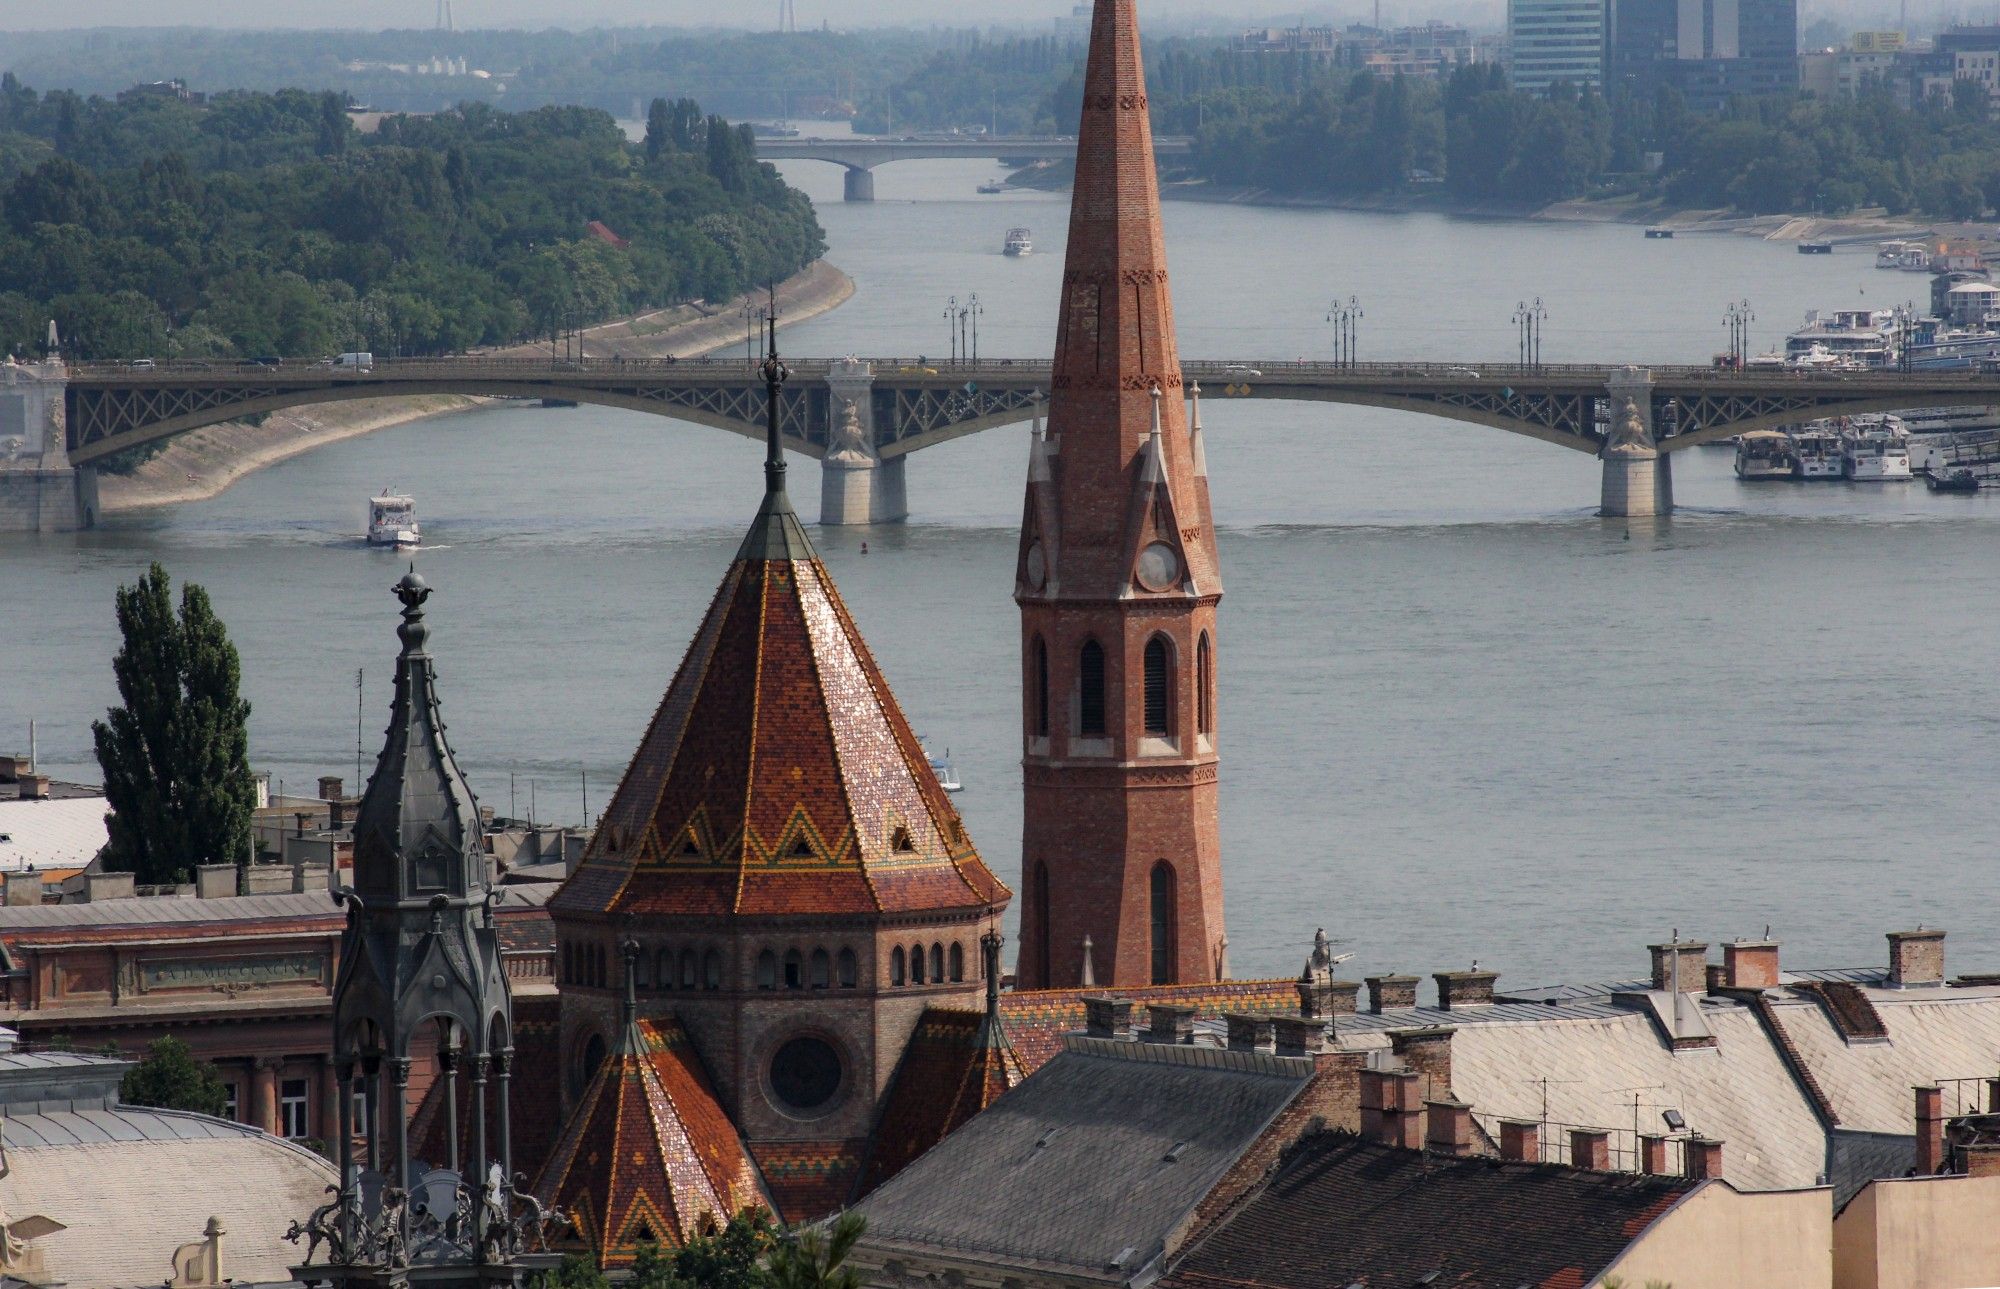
[(40, 491), (856, 486), (858, 184), (1638, 477)]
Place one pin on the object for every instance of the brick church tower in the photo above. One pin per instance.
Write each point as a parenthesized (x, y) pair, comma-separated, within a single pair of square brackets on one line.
[(1118, 583)]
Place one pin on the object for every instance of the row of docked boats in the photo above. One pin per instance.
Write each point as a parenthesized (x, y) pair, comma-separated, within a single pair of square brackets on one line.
[(1865, 449)]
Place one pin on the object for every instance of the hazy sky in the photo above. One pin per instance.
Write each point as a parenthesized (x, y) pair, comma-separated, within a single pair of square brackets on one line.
[(19, 15)]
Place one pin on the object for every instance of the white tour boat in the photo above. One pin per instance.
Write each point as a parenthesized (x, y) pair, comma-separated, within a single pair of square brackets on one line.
[(1765, 454), (941, 766), (1877, 448), (1816, 452), (1019, 242), (392, 521)]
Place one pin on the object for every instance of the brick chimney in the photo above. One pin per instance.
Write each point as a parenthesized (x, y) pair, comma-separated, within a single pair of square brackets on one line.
[(1692, 957), (1916, 958), (330, 787), (1169, 1023), (34, 787), (1590, 1148), (1449, 1125), (1299, 1035), (1392, 1107), (1930, 1131), (1982, 1159), (1107, 1017), (1718, 978), (1464, 988), (1391, 991), (1704, 1158), (1427, 1053), (1652, 1155), (1521, 1141), (1750, 964), (1248, 1032), (1323, 999)]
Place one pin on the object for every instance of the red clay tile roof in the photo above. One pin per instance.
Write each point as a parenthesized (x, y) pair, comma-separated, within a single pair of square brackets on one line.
[(1341, 1211), (648, 1154), (778, 775), (808, 1179), (1037, 1019), (955, 1066)]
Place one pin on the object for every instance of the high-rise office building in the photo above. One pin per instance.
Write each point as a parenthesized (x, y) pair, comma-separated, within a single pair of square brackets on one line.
[(1710, 50), (1555, 40)]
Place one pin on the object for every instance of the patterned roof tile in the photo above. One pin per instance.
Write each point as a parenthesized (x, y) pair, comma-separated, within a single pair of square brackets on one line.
[(1037, 1019), (957, 1064), (808, 1179)]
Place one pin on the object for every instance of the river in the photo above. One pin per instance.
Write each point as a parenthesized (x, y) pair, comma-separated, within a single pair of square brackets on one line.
[(1461, 715)]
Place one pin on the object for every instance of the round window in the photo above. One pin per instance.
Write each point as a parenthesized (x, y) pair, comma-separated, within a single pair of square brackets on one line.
[(1036, 566), (1159, 567), (805, 1073)]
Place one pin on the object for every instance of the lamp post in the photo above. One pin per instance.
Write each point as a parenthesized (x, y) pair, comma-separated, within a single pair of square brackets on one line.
[(951, 325), (1737, 317), (1906, 317), (1528, 319), (974, 308), (1343, 317), (753, 318)]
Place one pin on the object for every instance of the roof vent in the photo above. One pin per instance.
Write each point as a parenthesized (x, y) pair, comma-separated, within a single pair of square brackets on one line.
[(1122, 1257), (1429, 1277), (1048, 1137), (1174, 1152)]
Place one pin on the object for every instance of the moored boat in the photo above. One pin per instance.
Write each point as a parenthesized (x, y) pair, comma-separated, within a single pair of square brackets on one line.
[(392, 521), (1660, 234), (1876, 450), (1765, 454), (1816, 452), (1019, 242), (1957, 479)]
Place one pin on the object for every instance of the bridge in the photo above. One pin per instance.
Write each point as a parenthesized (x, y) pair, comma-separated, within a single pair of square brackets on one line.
[(861, 418), (860, 156)]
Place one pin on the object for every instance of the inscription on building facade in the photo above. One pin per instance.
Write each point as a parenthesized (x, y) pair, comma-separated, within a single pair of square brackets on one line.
[(226, 973)]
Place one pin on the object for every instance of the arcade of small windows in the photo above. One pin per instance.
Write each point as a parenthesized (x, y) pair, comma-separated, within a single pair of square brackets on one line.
[(816, 970), (935, 965), (583, 964)]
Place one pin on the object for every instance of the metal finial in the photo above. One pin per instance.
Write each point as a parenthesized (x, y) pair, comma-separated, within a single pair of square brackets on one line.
[(412, 590), (630, 949), (775, 374)]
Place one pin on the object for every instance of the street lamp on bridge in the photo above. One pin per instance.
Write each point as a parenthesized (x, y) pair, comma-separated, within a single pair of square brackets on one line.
[(973, 309), (1528, 318), (1737, 317), (951, 325), (1343, 317), (753, 315)]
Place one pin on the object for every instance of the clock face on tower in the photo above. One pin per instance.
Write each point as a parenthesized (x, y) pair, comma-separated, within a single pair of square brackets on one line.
[(806, 1075)]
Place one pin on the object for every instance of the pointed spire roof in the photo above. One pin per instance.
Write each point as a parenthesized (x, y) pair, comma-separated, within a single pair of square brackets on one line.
[(648, 1156), (417, 803), (1115, 334), (779, 776)]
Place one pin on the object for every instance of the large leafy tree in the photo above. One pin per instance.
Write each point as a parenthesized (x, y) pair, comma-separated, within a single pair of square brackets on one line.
[(171, 1079), (175, 754)]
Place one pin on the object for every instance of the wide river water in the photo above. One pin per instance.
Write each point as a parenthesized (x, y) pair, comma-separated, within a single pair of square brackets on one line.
[(1461, 715)]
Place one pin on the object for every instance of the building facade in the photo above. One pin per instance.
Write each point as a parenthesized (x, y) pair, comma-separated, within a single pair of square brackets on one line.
[(1550, 41), (1708, 50)]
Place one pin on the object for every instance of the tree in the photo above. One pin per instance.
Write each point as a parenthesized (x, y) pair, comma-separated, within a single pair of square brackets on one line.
[(816, 1257), (171, 1079), (175, 755), (658, 129)]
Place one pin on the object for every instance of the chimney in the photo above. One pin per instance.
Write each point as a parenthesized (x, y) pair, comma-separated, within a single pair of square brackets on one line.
[(1450, 1126), (1521, 1141), (214, 881), (1704, 1158), (1391, 1108), (1323, 999), (109, 886), (1391, 991), (1107, 1017), (34, 787), (1691, 956), (21, 888), (329, 787), (1982, 1159), (1718, 978), (1916, 958), (336, 814), (1750, 964), (1930, 1131), (1590, 1148), (1464, 988), (1248, 1032), (1169, 1023), (1299, 1035), (1427, 1054), (1652, 1155)]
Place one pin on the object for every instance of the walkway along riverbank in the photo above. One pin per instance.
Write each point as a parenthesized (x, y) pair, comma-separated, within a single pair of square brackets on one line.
[(203, 463)]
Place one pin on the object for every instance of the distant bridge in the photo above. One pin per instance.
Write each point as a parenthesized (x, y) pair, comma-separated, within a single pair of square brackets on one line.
[(901, 405), (860, 156)]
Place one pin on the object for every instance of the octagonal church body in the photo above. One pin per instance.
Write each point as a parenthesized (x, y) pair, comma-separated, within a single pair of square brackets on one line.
[(797, 884)]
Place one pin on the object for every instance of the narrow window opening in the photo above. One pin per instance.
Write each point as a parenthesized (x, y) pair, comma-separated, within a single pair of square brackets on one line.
[(688, 969), (937, 964), (1203, 687), (901, 840), (1159, 689), (957, 962), (794, 975), (1163, 924), (1090, 681), (896, 966), (822, 969), (1041, 694), (663, 969), (850, 969), (1042, 978), (916, 964), (767, 970), (711, 969)]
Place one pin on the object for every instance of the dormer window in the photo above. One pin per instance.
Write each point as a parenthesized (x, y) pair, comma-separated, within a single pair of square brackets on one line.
[(900, 839), (432, 869)]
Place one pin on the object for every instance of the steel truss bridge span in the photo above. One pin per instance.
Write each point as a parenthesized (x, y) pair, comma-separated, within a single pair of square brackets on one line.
[(901, 405)]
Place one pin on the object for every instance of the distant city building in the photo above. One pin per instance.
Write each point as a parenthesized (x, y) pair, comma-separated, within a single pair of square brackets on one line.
[(1876, 42), (1433, 49), (1555, 40), (1709, 50), (1321, 42), (174, 89)]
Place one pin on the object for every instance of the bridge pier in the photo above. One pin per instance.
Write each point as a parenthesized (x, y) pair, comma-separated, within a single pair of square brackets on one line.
[(856, 486), (1638, 477), (40, 491), (859, 184)]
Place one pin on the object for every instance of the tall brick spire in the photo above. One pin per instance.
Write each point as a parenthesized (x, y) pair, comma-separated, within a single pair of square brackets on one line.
[(1118, 583)]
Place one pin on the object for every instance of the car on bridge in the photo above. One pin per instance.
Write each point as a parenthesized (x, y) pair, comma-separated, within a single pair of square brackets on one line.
[(1240, 369)]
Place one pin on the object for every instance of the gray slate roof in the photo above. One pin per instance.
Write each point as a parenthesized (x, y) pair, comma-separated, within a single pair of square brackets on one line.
[(1071, 1168), (152, 911)]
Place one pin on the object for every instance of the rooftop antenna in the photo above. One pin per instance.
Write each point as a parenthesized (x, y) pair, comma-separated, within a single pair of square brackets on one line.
[(444, 22), (357, 728)]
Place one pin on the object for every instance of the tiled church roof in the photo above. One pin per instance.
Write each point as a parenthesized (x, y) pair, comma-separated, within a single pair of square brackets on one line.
[(957, 1064), (808, 1179), (778, 775), (1037, 1019), (648, 1154)]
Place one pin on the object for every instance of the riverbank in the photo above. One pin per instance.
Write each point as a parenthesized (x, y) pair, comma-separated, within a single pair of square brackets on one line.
[(204, 463)]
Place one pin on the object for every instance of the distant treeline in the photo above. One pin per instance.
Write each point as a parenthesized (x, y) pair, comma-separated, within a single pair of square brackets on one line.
[(263, 225)]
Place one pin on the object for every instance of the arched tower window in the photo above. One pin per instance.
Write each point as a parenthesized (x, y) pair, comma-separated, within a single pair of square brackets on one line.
[(937, 964), (663, 969), (850, 969), (767, 970), (794, 973), (916, 964), (688, 962), (896, 966), (1042, 925), (1163, 924), (822, 969), (957, 961), (1204, 687), (1090, 685), (1159, 695), (1040, 696), (711, 970)]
